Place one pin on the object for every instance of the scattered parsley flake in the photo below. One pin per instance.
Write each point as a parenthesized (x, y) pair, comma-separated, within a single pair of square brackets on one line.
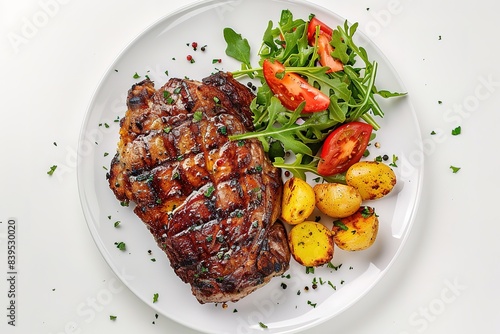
[(121, 245), (433, 133), (262, 325), (394, 160), (454, 169), (309, 270), (312, 304), (52, 169), (117, 223), (222, 130), (112, 317), (209, 191), (340, 224), (456, 131), (136, 76), (155, 297), (197, 116)]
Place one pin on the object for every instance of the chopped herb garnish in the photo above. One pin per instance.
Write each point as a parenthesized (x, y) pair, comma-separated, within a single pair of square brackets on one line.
[(136, 76), (433, 132), (167, 129), (222, 130), (209, 191), (262, 325), (216, 100), (52, 169), (366, 212), (454, 169), (167, 97), (117, 223), (177, 90), (332, 266), (155, 297), (309, 270), (340, 224), (112, 317), (312, 304), (121, 245), (197, 116), (394, 160), (456, 131)]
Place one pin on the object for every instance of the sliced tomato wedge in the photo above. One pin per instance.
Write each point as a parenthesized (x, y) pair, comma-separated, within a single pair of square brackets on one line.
[(291, 89), (344, 147), (323, 28), (325, 50)]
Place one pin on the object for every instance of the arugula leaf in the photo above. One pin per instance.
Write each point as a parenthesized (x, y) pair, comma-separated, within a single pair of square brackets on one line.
[(237, 46)]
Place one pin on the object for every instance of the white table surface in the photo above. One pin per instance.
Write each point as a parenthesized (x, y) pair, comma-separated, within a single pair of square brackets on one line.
[(446, 279)]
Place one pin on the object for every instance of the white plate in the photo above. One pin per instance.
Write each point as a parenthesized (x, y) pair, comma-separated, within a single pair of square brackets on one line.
[(164, 47)]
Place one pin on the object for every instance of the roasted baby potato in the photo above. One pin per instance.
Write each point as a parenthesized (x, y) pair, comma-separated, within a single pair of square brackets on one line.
[(337, 200), (371, 178), (358, 231), (311, 243), (298, 201)]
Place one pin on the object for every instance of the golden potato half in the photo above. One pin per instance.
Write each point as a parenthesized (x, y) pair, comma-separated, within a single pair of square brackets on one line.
[(358, 231), (311, 243)]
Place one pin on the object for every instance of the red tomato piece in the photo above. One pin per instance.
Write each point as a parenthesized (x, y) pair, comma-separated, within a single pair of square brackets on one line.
[(344, 147), (323, 28), (291, 89), (325, 50)]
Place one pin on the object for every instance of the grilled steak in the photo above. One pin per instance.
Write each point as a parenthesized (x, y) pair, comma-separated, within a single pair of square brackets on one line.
[(211, 203)]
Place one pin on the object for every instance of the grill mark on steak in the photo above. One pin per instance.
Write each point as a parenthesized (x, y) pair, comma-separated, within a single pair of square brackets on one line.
[(211, 204)]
